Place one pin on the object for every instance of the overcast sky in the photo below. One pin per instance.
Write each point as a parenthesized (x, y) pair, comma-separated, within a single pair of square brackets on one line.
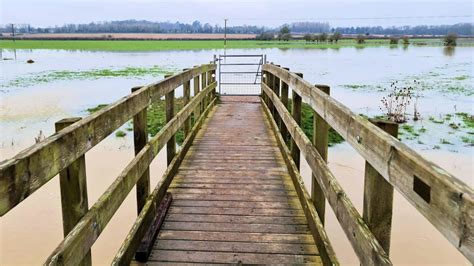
[(255, 12)]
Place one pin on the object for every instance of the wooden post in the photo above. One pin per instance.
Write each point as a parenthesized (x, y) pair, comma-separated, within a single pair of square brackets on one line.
[(276, 89), (213, 79), (169, 105), (378, 196), (196, 91), (284, 100), (140, 139), (208, 81), (73, 186), (186, 99), (320, 141), (203, 86), (270, 83), (296, 112)]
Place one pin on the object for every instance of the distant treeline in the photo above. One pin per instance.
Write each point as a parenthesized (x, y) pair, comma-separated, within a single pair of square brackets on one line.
[(143, 26)]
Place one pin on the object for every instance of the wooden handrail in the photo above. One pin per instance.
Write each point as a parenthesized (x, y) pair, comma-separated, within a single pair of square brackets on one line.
[(316, 226), (144, 219), (362, 240), (78, 242), (442, 198), (23, 174)]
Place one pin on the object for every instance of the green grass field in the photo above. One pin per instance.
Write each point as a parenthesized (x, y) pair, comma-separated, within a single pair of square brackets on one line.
[(140, 45)]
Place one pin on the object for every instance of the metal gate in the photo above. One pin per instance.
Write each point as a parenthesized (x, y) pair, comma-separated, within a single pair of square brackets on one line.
[(240, 74)]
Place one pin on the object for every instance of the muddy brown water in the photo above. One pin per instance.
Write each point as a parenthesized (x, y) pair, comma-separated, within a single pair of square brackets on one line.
[(35, 225)]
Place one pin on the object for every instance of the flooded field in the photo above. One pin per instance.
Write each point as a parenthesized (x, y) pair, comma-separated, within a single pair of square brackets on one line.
[(66, 83)]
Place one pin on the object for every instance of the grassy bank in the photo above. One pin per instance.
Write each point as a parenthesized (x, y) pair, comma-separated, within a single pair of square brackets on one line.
[(111, 45)]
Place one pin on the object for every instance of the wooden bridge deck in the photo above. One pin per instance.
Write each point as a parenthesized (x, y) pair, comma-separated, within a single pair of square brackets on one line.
[(233, 200)]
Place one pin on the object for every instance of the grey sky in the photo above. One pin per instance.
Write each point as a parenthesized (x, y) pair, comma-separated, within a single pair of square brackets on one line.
[(257, 12)]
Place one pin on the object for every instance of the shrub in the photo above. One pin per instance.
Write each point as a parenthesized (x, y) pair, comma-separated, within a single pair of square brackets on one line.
[(393, 40), (307, 37), (450, 39), (406, 41), (336, 36), (265, 36), (323, 37), (395, 104), (286, 37), (360, 39)]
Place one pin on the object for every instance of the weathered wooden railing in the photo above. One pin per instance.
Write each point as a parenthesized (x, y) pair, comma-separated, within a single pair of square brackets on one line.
[(64, 151), (444, 200)]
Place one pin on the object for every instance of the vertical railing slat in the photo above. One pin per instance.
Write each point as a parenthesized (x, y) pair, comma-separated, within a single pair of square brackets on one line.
[(296, 112), (186, 99), (169, 106), (320, 141), (73, 186), (378, 196)]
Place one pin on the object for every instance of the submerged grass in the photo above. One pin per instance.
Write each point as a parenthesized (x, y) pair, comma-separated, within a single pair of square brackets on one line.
[(46, 77), (156, 118), (158, 45), (307, 125)]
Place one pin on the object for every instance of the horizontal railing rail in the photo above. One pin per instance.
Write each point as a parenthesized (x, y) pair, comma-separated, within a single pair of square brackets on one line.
[(23, 174), (78, 242), (444, 200), (64, 151)]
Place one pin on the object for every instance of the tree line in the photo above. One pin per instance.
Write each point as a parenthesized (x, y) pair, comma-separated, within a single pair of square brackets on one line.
[(144, 26)]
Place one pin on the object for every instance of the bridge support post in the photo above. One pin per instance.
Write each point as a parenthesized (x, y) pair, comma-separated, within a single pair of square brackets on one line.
[(320, 142), (213, 79), (270, 105), (296, 112), (140, 138), (284, 100), (197, 112), (209, 81), (276, 89), (186, 99), (265, 81), (169, 105), (203, 86), (378, 196), (73, 186)]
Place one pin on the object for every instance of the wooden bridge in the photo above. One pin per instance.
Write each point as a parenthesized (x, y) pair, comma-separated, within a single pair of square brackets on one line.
[(232, 192)]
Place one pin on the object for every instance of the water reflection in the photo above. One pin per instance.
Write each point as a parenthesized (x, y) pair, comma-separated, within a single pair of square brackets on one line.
[(449, 50)]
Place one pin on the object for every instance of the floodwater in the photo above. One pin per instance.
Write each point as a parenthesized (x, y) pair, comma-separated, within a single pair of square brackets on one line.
[(31, 102)]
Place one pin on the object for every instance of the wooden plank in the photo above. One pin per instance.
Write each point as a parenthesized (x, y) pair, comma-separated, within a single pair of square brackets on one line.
[(450, 207), (81, 238), (234, 204), (316, 226), (321, 142), (378, 196), (239, 237), (246, 192), (230, 257), (236, 211), (234, 227), (232, 186), (246, 247), (73, 186), (23, 174), (361, 238), (140, 138), (234, 197), (127, 250), (238, 219), (146, 245)]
